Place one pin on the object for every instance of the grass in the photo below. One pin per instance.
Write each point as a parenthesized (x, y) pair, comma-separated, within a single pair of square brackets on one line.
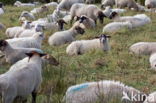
[(118, 64)]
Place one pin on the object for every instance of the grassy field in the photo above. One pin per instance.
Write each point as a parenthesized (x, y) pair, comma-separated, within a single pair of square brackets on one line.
[(118, 64)]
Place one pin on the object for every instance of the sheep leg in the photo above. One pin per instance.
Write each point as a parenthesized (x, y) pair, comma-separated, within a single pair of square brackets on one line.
[(34, 94)]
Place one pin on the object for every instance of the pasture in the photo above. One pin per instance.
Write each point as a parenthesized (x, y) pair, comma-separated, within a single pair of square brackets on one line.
[(118, 64)]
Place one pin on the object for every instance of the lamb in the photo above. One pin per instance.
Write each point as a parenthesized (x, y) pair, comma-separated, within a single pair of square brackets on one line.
[(13, 54), (19, 4), (150, 4), (62, 37), (90, 11), (103, 91), (67, 4), (27, 15), (52, 4), (87, 22), (1, 9), (126, 3), (83, 46), (11, 32), (22, 81), (116, 26), (28, 42), (106, 3), (143, 48), (90, 1), (39, 10)]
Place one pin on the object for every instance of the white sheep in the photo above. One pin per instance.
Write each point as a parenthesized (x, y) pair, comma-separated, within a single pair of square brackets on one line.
[(107, 11), (126, 3), (24, 80), (91, 11), (67, 4), (19, 4), (103, 92), (52, 4), (106, 3), (119, 11), (90, 1), (62, 37), (14, 54), (12, 31), (28, 42), (83, 46), (150, 3), (116, 26), (143, 48), (27, 15), (39, 10)]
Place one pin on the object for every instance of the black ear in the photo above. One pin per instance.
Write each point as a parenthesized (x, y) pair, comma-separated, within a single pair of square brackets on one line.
[(41, 55), (29, 54)]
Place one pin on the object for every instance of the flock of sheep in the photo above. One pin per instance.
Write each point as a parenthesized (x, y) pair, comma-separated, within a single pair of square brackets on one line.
[(23, 48)]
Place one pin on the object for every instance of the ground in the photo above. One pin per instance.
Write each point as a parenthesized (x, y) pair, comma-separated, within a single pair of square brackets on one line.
[(118, 64)]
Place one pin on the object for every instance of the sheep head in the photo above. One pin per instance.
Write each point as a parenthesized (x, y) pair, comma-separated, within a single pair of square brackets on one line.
[(51, 60), (61, 23), (79, 30), (101, 16), (3, 44), (103, 38), (113, 15), (82, 18)]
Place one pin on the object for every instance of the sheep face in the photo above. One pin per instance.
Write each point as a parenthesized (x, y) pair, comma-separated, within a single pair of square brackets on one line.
[(51, 60), (79, 30), (38, 27), (44, 8), (113, 15), (3, 44), (104, 38), (26, 24), (82, 18), (61, 24), (101, 16)]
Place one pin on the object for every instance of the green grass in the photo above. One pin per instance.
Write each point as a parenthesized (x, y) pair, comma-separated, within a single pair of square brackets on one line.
[(118, 64)]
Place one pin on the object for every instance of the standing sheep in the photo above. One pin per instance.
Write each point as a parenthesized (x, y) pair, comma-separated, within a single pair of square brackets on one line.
[(83, 46), (90, 11), (22, 81), (62, 37), (150, 3), (102, 92)]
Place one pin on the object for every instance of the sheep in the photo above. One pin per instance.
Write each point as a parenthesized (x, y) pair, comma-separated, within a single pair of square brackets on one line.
[(1, 9), (19, 4), (119, 11), (90, 1), (104, 92), (90, 11), (27, 15), (136, 20), (116, 26), (151, 98), (39, 10), (30, 32), (13, 54), (52, 4), (87, 22), (126, 3), (12, 31), (67, 4), (106, 3), (24, 80), (150, 3), (28, 42), (62, 37), (83, 46), (143, 48)]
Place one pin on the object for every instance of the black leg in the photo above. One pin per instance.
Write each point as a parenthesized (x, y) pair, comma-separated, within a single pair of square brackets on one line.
[(34, 94)]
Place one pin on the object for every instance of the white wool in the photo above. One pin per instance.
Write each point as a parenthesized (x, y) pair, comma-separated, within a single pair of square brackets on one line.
[(116, 26), (27, 15), (107, 11), (151, 98), (90, 1), (1, 11), (52, 4), (106, 3), (19, 4), (39, 10), (150, 3), (119, 11)]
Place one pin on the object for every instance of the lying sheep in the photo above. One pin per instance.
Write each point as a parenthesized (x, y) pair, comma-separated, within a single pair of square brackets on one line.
[(83, 46), (106, 3), (116, 26), (28, 42), (150, 3), (13, 54), (90, 11), (90, 1), (27, 15), (152, 61), (19, 4), (39, 10), (126, 3), (102, 92), (67, 4), (12, 31), (87, 22), (143, 48), (22, 81), (59, 38)]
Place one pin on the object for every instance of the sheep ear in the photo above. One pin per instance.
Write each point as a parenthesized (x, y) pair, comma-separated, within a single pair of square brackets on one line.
[(29, 54)]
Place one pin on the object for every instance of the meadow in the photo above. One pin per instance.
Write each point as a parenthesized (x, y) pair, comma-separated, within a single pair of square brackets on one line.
[(118, 64)]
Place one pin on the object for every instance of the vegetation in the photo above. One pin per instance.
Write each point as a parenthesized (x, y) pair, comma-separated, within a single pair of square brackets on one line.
[(118, 64)]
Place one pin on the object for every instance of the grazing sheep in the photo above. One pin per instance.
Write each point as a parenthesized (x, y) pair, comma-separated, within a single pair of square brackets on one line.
[(82, 46), (62, 37), (13, 54), (28, 42), (143, 48), (106, 3), (27, 15), (126, 3), (150, 3), (24, 80), (90, 1), (11, 32), (90, 11), (67, 4), (19, 4), (116, 26), (52, 4), (102, 92), (39, 10), (152, 61)]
